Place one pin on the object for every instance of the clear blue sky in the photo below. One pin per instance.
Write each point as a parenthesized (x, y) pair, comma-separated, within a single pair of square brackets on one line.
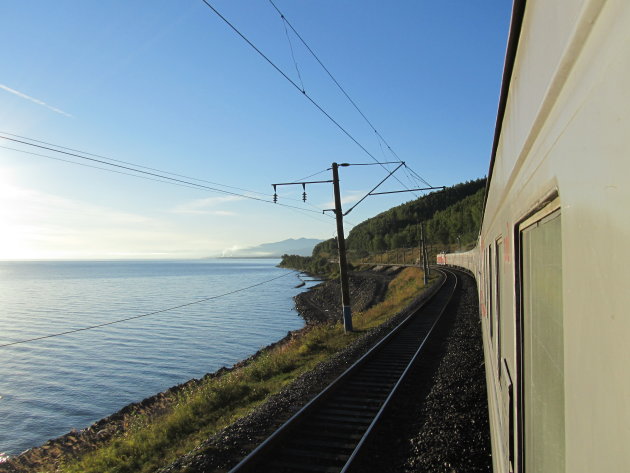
[(167, 84)]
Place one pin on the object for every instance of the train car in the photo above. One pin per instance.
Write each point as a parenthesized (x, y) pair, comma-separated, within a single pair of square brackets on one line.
[(554, 248), (466, 260), (441, 258)]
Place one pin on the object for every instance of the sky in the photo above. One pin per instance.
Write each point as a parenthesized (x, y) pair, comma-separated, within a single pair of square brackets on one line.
[(168, 85)]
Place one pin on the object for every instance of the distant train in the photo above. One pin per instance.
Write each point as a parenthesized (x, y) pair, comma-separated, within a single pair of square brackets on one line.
[(553, 256)]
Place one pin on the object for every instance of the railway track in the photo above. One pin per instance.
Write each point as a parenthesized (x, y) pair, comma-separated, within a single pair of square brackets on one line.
[(327, 434)]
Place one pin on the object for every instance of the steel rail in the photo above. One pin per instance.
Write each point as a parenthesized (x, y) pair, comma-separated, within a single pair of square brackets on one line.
[(399, 382), (361, 398)]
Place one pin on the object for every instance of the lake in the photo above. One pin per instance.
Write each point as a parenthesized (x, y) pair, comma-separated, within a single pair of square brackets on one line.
[(52, 385)]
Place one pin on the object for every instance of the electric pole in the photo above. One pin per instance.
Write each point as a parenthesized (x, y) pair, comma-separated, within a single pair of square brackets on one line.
[(341, 241), (423, 249), (341, 245), (339, 214)]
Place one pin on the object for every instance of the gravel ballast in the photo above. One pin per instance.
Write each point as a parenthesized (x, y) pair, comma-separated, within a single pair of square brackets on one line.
[(438, 420)]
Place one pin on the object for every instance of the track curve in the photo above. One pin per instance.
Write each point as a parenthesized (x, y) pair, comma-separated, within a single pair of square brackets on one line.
[(328, 433)]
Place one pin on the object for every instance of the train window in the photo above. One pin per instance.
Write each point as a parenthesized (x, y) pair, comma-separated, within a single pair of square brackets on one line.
[(542, 345), (507, 416), (489, 292), (499, 297)]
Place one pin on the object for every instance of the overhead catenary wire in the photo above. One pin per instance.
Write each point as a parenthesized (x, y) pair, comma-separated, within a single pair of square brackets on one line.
[(294, 84), (412, 179), (372, 164), (105, 324), (319, 107), (418, 176), (312, 175), (341, 88), (380, 145), (323, 66), (286, 31), (373, 189)]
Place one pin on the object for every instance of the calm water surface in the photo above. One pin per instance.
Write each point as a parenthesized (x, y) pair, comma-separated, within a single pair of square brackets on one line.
[(51, 386)]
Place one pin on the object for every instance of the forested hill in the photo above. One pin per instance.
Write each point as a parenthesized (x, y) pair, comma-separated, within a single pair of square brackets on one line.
[(446, 214), (451, 216)]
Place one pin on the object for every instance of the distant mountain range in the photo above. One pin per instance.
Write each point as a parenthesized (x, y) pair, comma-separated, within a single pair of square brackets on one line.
[(292, 246)]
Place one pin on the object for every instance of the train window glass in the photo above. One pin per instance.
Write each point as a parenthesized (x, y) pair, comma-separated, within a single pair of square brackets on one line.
[(507, 416), (499, 296), (542, 346), (489, 293)]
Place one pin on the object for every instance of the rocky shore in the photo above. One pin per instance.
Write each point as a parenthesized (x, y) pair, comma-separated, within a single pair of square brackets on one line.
[(320, 303), (76, 442)]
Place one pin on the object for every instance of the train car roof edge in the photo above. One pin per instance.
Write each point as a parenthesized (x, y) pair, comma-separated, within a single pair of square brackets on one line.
[(518, 12)]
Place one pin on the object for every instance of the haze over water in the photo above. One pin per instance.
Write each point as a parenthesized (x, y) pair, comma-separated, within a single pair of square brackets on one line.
[(51, 386)]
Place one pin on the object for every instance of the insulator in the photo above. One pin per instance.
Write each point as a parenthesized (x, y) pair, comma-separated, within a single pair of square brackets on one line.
[(303, 196), (275, 198)]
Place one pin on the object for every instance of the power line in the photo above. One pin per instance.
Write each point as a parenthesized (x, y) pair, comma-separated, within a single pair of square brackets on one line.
[(314, 174), (308, 203), (130, 164), (143, 315), (96, 167), (374, 164), (378, 134), (189, 185), (411, 179), (153, 174), (315, 217), (323, 66), (326, 69), (294, 84), (375, 187), (286, 31), (293, 209), (418, 176)]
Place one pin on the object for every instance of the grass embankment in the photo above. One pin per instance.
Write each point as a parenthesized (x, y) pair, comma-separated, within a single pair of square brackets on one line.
[(216, 402)]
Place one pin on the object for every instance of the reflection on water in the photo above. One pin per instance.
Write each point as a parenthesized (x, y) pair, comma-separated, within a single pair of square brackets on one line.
[(51, 386)]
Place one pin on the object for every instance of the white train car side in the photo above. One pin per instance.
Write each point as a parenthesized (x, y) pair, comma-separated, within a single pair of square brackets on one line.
[(467, 260), (554, 249)]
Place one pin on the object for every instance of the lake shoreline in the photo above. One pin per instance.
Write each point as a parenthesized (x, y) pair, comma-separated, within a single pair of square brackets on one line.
[(315, 305), (50, 387), (77, 442)]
